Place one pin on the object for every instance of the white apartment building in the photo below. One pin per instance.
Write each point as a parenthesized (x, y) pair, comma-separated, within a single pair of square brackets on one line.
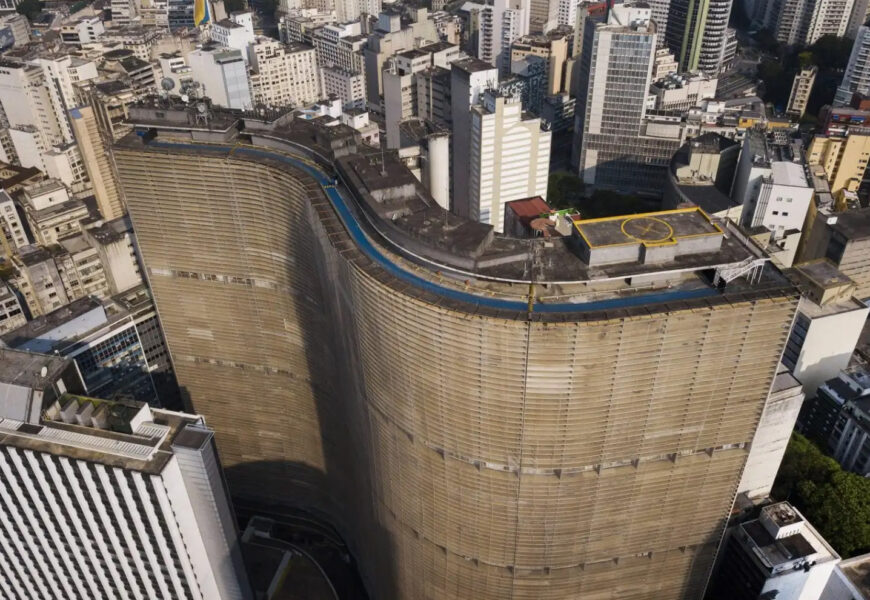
[(567, 12), (348, 86), (29, 145), (18, 26), (11, 313), (499, 24), (50, 211), (350, 10), (223, 75), (14, 234), (61, 72), (27, 102), (857, 75), (340, 45), (174, 66), (283, 75), (235, 32), (123, 11), (102, 499), (65, 163), (827, 326), (801, 88), (781, 201), (510, 158), (468, 80), (681, 91), (803, 22), (400, 82), (85, 30)]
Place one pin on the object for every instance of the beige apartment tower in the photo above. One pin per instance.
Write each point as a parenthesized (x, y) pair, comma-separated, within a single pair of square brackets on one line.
[(580, 433)]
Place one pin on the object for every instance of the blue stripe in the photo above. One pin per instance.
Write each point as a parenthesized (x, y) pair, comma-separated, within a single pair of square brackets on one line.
[(374, 253)]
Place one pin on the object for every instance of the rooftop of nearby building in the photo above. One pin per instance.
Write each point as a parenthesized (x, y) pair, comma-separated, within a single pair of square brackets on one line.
[(658, 227), (853, 224), (395, 209), (823, 273), (41, 325), (125, 434), (857, 571), (780, 539), (27, 369), (788, 173), (472, 65)]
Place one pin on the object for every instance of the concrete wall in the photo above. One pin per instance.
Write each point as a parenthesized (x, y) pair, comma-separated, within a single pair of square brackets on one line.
[(461, 455)]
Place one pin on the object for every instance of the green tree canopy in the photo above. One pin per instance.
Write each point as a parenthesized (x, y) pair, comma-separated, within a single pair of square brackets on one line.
[(836, 502), (832, 52), (29, 8), (235, 5)]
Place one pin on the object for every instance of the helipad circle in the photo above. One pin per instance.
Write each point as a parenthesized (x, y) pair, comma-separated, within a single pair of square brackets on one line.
[(647, 229)]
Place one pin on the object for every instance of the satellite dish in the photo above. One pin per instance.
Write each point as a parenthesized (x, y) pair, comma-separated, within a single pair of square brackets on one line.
[(201, 108), (185, 98), (167, 84)]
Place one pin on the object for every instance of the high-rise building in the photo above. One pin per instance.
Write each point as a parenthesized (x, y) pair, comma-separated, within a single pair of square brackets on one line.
[(469, 78), (283, 74), (856, 78), (498, 25), (400, 83), (510, 159), (827, 327), (108, 499), (801, 89), (223, 76), (525, 418), (697, 33), (554, 49), (393, 33), (842, 159), (615, 145), (777, 555), (803, 22), (94, 153)]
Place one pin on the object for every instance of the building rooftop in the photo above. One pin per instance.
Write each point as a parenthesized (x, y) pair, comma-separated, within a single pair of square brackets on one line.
[(124, 434), (857, 571), (386, 203), (38, 327), (788, 173), (472, 65), (31, 370), (823, 273), (853, 224), (659, 227)]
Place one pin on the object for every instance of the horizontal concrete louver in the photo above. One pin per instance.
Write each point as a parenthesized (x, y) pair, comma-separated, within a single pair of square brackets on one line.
[(461, 455)]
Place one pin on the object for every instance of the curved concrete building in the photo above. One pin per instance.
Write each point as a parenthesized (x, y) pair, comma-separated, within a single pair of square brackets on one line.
[(480, 417)]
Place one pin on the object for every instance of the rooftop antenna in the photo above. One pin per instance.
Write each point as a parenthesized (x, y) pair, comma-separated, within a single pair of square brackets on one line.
[(383, 160)]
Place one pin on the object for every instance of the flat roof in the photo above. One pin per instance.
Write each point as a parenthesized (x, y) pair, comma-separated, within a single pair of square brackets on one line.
[(659, 227), (823, 273), (22, 368), (392, 219), (788, 173), (857, 571), (853, 224)]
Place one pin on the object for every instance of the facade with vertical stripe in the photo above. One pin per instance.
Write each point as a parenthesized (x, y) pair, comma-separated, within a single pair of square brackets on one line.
[(108, 500)]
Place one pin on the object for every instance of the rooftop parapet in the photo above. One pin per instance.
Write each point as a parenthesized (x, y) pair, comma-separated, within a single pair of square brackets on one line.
[(385, 210)]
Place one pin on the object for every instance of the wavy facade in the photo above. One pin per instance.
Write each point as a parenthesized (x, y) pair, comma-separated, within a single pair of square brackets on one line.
[(464, 453)]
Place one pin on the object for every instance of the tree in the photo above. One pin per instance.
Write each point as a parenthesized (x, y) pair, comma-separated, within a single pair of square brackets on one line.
[(564, 190), (29, 8), (836, 502), (832, 52), (232, 6)]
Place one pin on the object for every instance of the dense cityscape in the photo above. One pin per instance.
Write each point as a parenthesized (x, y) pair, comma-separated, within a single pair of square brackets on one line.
[(434, 300)]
